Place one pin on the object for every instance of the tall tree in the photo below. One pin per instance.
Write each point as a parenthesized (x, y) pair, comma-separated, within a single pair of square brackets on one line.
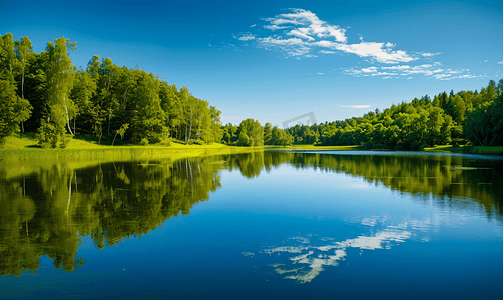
[(59, 71), (13, 109)]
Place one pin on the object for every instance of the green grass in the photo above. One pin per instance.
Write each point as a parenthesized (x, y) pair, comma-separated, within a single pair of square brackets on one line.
[(85, 148), (488, 150), (448, 148), (312, 147)]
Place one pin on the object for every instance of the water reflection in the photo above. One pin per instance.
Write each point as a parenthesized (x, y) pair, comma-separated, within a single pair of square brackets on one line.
[(48, 210), (45, 209), (318, 253)]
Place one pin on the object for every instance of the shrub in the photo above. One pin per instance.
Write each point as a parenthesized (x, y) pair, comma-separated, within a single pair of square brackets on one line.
[(166, 142), (144, 142)]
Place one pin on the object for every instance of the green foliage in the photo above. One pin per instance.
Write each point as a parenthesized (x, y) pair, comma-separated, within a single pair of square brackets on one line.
[(49, 135), (13, 109), (244, 139), (167, 142), (250, 133), (484, 126), (144, 142), (60, 73), (422, 123), (279, 136)]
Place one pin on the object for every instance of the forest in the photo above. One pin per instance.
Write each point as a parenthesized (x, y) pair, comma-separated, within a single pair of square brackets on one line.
[(45, 94), (455, 119)]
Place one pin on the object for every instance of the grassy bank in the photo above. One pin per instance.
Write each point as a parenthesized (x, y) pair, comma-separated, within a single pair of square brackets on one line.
[(442, 148), (25, 148), (317, 148), (21, 156)]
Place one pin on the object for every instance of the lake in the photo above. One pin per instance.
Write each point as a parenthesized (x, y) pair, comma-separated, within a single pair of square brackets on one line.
[(267, 225)]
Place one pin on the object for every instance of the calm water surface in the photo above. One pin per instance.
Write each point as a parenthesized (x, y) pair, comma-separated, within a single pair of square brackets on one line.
[(272, 224)]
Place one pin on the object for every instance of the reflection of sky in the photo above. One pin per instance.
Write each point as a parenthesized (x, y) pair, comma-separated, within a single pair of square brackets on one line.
[(307, 261)]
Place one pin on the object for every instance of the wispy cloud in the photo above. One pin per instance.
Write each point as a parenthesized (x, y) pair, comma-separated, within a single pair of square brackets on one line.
[(355, 106), (300, 31), (244, 36), (500, 62), (428, 54), (430, 70)]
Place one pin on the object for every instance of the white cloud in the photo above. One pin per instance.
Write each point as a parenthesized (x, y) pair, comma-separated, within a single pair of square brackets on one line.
[(309, 24), (399, 67), (407, 70), (428, 54), (376, 51), (383, 73), (355, 106), (274, 27), (280, 41), (306, 26), (500, 62), (300, 31), (293, 46), (300, 34), (246, 37), (369, 70), (320, 73)]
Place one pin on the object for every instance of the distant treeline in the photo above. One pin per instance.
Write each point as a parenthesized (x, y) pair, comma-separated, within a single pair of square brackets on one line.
[(46, 94), (468, 116)]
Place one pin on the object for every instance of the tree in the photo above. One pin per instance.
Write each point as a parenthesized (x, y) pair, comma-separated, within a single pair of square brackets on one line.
[(216, 126), (13, 109), (267, 134), (253, 130), (59, 71), (23, 48), (146, 116), (244, 139), (121, 131)]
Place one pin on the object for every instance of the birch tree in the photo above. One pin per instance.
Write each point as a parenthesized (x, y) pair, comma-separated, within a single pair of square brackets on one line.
[(59, 71)]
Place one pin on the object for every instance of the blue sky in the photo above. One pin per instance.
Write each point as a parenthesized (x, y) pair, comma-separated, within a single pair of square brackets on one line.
[(276, 60)]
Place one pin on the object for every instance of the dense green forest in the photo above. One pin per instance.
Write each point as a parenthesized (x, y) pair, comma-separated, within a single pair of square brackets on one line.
[(468, 116), (44, 93)]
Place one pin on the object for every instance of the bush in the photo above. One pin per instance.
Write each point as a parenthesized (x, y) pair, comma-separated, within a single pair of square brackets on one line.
[(144, 142), (65, 140), (155, 138), (48, 136), (166, 142)]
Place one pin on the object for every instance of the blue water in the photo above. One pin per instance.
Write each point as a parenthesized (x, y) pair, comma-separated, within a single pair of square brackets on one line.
[(301, 230)]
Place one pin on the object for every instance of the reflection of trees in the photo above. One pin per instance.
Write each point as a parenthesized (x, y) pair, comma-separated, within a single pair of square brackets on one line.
[(47, 212), (442, 176), (250, 165)]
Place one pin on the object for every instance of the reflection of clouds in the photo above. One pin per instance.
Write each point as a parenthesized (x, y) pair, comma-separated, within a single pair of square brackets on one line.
[(318, 257)]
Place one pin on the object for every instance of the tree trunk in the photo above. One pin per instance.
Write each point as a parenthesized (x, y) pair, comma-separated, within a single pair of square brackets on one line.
[(114, 139), (67, 117), (101, 133)]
